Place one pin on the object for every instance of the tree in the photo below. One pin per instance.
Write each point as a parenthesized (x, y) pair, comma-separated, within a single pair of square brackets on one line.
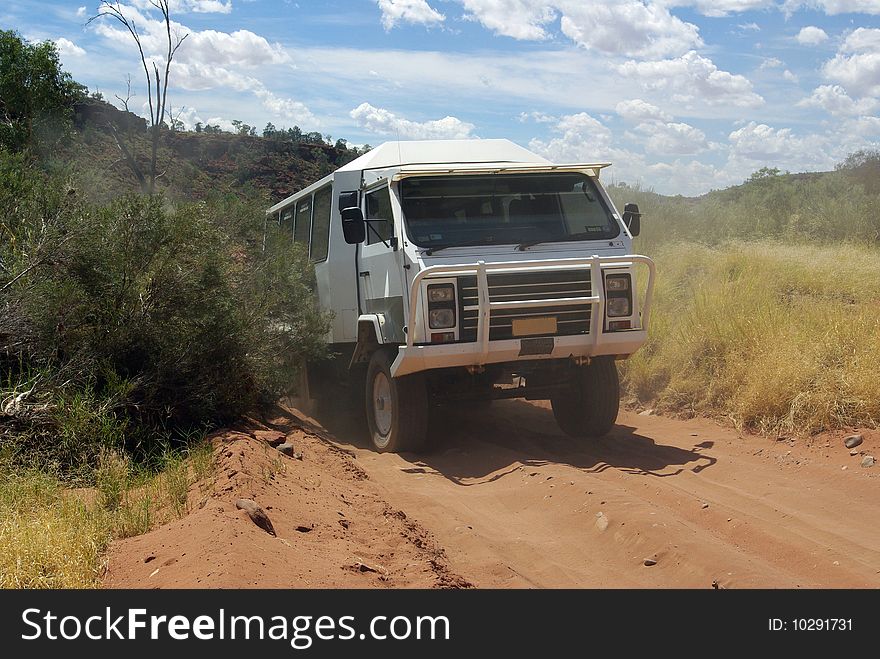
[(765, 173), (36, 96), (157, 85), (269, 130), (863, 167)]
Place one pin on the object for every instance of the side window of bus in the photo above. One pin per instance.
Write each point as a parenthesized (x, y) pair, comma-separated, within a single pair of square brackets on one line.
[(321, 224), (303, 227), (378, 207), (286, 222)]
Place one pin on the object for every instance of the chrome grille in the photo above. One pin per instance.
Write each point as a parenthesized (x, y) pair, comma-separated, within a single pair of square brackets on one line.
[(535, 285)]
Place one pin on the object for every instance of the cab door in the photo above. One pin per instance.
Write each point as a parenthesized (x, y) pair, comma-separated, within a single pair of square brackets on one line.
[(379, 270)]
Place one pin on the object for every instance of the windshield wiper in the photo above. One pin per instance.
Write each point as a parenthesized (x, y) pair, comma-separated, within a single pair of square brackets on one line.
[(431, 250), (573, 236)]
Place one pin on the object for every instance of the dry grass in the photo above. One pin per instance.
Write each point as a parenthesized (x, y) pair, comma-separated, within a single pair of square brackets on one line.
[(48, 539), (779, 338), (52, 537)]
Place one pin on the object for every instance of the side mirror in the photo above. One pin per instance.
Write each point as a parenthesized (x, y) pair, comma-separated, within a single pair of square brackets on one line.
[(353, 226), (632, 218)]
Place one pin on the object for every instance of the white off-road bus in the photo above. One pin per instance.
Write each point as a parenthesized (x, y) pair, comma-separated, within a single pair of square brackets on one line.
[(464, 271)]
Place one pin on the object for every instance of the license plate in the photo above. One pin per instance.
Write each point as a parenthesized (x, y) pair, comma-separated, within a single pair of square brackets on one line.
[(538, 346), (533, 326)]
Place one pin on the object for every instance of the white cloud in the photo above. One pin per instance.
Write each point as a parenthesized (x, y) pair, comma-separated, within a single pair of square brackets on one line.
[(762, 145), (519, 19), (788, 75), (209, 59), (189, 6), (582, 138), (537, 117), (693, 77), (857, 63), (81, 12), (833, 7), (384, 122), (69, 49), (240, 48), (286, 108), (225, 124), (749, 27), (672, 139), (637, 110), (811, 36), (863, 39), (721, 7), (770, 63), (408, 11), (834, 100), (629, 27), (862, 127)]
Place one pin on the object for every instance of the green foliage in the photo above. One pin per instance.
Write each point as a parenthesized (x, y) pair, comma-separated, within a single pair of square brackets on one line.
[(128, 324), (36, 96), (818, 208)]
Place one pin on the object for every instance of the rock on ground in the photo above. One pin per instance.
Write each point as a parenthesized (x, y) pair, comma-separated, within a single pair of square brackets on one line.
[(258, 515), (852, 441)]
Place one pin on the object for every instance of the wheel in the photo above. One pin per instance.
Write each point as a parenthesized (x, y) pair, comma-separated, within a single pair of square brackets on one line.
[(397, 408), (588, 408)]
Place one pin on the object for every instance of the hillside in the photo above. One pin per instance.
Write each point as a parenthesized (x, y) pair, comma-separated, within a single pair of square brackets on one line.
[(196, 164)]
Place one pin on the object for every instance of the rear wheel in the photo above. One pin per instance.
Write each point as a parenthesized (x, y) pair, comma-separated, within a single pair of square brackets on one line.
[(397, 408), (588, 408)]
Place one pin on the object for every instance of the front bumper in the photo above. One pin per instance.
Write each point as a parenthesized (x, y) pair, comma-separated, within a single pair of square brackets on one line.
[(412, 357)]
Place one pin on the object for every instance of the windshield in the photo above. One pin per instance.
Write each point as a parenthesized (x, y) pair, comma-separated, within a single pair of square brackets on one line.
[(443, 211)]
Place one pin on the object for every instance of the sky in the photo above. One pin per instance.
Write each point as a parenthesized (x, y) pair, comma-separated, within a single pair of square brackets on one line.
[(682, 96)]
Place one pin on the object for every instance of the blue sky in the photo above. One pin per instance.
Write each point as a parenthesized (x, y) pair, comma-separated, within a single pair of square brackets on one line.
[(682, 96)]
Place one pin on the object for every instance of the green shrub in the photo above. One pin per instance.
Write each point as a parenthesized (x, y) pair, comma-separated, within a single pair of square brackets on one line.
[(143, 320)]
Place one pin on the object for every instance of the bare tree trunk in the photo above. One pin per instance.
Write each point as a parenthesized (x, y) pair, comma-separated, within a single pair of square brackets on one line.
[(156, 98)]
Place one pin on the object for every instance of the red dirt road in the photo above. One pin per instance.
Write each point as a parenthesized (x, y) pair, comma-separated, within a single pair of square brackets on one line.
[(517, 504), (507, 500)]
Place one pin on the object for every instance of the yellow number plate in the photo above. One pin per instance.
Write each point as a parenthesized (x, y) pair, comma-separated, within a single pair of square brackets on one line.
[(532, 326)]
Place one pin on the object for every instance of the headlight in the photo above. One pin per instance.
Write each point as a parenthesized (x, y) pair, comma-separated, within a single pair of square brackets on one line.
[(441, 318), (617, 306), (617, 283), (441, 293)]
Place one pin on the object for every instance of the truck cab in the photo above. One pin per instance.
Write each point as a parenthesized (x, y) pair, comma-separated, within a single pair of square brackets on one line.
[(467, 271)]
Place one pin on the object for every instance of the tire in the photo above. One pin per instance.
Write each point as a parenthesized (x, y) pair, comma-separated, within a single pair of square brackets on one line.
[(403, 427), (588, 408)]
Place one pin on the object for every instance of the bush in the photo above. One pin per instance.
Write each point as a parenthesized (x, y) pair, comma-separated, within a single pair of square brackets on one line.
[(137, 321)]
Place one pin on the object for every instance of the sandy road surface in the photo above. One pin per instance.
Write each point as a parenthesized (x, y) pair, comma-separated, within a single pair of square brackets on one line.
[(515, 503)]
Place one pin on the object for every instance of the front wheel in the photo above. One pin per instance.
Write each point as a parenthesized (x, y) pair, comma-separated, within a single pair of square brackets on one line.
[(397, 408), (589, 406)]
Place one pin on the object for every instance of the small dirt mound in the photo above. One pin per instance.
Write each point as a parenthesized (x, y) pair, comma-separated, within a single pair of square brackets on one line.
[(355, 538)]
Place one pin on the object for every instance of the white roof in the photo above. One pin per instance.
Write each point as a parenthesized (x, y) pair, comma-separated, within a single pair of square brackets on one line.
[(434, 152)]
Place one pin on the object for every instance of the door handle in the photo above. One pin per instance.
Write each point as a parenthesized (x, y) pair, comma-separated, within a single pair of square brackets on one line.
[(365, 273)]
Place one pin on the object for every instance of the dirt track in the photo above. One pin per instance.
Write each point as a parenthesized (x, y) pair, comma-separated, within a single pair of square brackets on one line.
[(506, 500), (517, 504)]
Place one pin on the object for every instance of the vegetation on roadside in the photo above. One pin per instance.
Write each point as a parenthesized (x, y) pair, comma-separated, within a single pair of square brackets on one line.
[(130, 325), (138, 322), (55, 537), (767, 298)]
